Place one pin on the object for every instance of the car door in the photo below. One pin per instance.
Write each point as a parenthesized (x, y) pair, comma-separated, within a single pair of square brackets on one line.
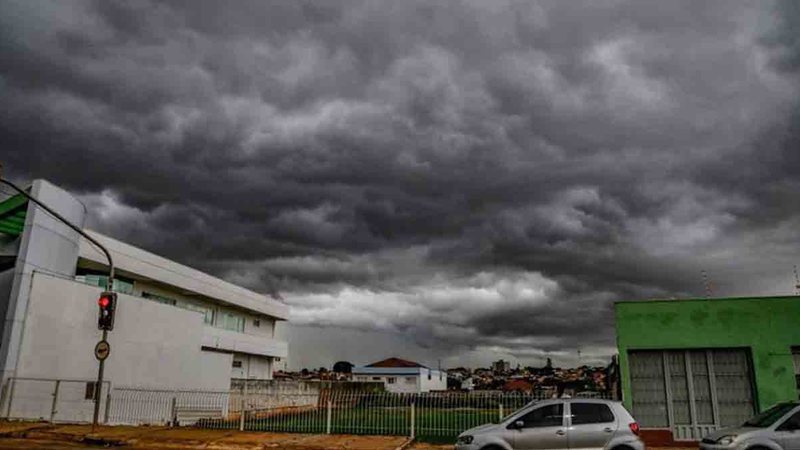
[(590, 425), (542, 429), (788, 432)]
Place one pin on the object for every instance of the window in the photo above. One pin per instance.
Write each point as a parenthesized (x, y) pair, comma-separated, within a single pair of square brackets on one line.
[(583, 413), (546, 416), (121, 286), (391, 380), (791, 424), (376, 378), (411, 380), (159, 298), (232, 321), (206, 311), (256, 323), (237, 364), (770, 416)]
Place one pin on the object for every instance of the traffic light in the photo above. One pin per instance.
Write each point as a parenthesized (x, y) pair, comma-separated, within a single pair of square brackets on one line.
[(107, 303)]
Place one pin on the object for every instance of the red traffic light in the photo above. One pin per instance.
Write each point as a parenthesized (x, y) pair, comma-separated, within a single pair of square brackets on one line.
[(107, 303)]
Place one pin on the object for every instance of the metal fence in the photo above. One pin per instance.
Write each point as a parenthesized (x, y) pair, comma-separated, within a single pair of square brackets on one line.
[(323, 410)]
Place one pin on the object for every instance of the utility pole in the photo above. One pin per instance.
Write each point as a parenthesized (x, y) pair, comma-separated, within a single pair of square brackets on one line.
[(110, 287)]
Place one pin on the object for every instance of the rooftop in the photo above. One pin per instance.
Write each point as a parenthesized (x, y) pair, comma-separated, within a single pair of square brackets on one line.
[(395, 362)]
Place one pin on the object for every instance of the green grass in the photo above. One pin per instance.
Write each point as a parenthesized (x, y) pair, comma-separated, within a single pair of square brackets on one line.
[(432, 425)]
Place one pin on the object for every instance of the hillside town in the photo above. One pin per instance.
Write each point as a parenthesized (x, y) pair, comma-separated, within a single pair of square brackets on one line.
[(544, 381)]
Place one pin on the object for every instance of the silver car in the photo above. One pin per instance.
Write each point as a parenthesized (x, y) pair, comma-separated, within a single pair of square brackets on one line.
[(777, 428), (560, 424)]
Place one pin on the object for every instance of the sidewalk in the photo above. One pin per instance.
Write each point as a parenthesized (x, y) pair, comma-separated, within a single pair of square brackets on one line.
[(15, 435)]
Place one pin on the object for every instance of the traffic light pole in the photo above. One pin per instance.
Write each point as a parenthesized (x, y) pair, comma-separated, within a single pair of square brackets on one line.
[(77, 229)]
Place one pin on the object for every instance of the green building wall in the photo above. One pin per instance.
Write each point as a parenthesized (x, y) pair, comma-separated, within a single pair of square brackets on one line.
[(769, 326)]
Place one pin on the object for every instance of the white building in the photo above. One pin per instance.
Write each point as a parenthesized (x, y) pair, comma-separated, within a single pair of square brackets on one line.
[(175, 327), (399, 375)]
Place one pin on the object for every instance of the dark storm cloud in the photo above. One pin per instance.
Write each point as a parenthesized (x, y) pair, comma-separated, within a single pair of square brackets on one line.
[(477, 175)]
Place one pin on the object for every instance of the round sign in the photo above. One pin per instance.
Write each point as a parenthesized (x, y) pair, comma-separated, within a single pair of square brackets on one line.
[(101, 350)]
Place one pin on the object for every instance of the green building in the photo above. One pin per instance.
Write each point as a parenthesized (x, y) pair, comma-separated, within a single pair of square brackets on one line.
[(693, 366)]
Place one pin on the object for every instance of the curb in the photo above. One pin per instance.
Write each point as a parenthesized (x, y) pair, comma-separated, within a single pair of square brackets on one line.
[(406, 444)]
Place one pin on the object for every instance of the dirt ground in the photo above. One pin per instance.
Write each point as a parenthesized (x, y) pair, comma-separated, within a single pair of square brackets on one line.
[(42, 436)]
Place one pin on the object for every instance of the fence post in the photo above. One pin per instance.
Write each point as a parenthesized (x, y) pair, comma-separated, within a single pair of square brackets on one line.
[(55, 401), (413, 421), (328, 421), (173, 412), (500, 410), (11, 383), (108, 405), (242, 411)]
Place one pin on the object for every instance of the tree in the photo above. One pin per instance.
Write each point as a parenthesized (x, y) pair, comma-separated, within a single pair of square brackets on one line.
[(343, 367)]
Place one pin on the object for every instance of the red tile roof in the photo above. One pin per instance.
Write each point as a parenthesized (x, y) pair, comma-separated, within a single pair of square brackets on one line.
[(395, 362)]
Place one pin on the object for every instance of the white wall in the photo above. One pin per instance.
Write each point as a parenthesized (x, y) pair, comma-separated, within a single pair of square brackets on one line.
[(437, 381), (47, 245), (403, 385), (152, 345)]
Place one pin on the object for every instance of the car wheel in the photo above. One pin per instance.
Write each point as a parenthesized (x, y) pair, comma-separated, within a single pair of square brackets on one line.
[(491, 447), (622, 447)]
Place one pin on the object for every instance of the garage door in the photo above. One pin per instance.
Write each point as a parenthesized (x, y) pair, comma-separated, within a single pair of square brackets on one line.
[(691, 391)]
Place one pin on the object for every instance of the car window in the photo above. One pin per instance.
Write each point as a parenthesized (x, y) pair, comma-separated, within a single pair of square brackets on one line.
[(792, 423), (583, 413), (545, 416), (770, 416)]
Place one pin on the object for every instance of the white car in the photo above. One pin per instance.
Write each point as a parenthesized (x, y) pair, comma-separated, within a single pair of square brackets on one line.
[(777, 428), (560, 424)]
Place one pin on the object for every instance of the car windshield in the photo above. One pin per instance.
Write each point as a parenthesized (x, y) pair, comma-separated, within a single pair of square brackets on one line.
[(769, 416)]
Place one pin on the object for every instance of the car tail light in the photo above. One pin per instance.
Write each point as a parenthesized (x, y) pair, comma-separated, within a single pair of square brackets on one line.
[(634, 428)]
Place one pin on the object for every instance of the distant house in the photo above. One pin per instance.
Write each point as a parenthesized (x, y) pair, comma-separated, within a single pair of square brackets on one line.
[(518, 385), (399, 375)]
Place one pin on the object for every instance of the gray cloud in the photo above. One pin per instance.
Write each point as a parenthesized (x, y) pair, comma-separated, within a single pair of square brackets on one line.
[(470, 176)]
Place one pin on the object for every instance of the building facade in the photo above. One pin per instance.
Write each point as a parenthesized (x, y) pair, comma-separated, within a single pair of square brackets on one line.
[(175, 327), (402, 376), (693, 366)]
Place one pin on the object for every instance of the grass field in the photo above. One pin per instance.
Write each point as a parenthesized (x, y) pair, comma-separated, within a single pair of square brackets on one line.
[(432, 425)]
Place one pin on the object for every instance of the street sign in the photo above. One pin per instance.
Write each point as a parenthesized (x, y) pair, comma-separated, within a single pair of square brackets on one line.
[(102, 350)]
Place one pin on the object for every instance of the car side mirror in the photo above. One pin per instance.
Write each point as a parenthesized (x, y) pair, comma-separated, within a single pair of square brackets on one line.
[(518, 425)]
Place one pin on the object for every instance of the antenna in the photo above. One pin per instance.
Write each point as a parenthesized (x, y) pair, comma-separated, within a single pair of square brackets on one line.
[(796, 281), (707, 284)]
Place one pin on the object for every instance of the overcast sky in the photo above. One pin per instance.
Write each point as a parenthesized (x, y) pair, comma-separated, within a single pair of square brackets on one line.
[(454, 180)]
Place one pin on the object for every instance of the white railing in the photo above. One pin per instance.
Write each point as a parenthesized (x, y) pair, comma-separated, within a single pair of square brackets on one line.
[(333, 409)]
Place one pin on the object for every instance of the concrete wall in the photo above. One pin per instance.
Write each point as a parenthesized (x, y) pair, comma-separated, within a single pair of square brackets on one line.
[(152, 345), (437, 381), (6, 284), (47, 245), (768, 326)]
